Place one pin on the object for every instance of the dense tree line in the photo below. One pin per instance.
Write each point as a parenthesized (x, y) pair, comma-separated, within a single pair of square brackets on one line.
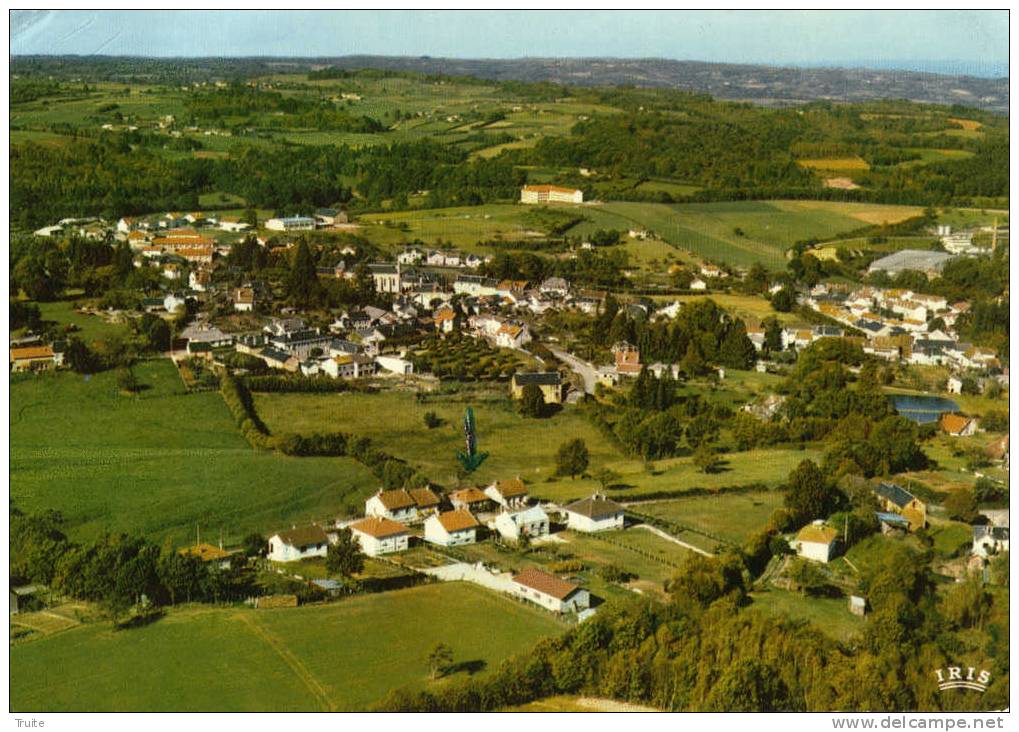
[(116, 570)]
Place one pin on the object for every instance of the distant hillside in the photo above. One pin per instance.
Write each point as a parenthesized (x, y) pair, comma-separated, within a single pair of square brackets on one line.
[(769, 85), (761, 84)]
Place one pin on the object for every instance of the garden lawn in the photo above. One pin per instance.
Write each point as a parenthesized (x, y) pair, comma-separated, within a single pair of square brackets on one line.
[(342, 656), (729, 516), (161, 462)]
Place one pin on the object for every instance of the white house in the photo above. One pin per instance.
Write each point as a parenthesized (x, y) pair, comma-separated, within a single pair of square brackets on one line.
[(530, 522), (550, 592), (596, 513), (989, 540), (396, 505), (511, 335), (451, 528), (508, 493), (380, 535), (954, 385), (816, 542), (298, 543), (698, 284)]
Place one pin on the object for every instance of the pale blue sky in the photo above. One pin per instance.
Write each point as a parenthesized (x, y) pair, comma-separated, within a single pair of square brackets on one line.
[(944, 41)]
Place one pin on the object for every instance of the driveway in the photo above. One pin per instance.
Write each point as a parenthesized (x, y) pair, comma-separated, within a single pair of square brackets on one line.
[(586, 370)]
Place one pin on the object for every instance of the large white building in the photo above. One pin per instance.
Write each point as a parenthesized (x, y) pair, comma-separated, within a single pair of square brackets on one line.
[(291, 223), (596, 513), (298, 543), (550, 194)]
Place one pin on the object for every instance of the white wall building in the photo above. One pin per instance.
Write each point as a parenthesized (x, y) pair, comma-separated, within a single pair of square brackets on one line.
[(396, 505), (596, 513), (298, 543), (550, 592), (379, 536), (451, 528)]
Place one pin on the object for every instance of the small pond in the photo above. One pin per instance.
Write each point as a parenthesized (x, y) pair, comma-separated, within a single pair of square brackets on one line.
[(922, 408)]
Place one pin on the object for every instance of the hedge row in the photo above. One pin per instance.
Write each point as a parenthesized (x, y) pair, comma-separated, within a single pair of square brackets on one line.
[(391, 471)]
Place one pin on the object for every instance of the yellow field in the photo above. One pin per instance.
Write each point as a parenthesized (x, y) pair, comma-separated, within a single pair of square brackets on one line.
[(966, 124), (868, 213), (835, 164)]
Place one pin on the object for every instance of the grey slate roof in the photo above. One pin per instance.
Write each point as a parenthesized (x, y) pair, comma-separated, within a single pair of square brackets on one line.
[(894, 493), (543, 378)]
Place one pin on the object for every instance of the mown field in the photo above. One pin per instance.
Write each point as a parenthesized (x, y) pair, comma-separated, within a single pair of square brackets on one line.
[(732, 517), (160, 462), (337, 657), (517, 445)]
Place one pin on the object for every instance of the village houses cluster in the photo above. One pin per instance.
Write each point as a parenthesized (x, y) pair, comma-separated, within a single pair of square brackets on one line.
[(395, 520)]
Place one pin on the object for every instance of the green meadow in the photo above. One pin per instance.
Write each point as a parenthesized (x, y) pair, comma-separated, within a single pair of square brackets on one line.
[(342, 656), (518, 446), (159, 462)]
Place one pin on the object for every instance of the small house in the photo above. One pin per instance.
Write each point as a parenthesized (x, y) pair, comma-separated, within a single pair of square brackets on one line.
[(397, 505), (470, 499), (208, 554), (298, 543), (531, 522), (550, 383), (596, 513), (550, 592), (816, 542), (957, 425), (508, 493), (380, 535), (425, 499), (857, 605), (893, 498), (451, 528), (32, 358)]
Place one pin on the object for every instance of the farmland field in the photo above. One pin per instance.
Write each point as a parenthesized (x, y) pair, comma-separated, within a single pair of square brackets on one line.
[(344, 655), (518, 445), (159, 462)]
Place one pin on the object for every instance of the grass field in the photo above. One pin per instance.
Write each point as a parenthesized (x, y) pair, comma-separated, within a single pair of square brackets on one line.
[(731, 516), (517, 445), (89, 327), (159, 462), (769, 228), (829, 615), (341, 656)]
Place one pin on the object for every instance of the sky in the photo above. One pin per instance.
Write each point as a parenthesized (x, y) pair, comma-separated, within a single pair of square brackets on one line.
[(974, 42)]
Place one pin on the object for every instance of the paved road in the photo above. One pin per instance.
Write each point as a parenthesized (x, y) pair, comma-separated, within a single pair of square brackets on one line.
[(586, 370)]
